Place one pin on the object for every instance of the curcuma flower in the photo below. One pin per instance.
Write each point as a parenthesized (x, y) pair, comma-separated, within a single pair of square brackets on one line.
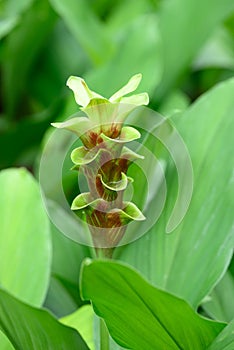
[(104, 158)]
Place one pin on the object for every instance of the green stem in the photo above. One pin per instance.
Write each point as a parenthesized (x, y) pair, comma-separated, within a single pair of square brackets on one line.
[(104, 336), (103, 253)]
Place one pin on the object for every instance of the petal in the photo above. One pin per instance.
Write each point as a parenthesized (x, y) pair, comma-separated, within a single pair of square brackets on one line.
[(117, 185), (78, 125), (127, 134), (85, 200), (100, 111), (82, 156), (136, 100), (126, 89), (129, 213), (82, 93), (130, 155)]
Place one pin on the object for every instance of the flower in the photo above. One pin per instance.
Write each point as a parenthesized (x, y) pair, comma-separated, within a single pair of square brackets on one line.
[(102, 115), (104, 158)]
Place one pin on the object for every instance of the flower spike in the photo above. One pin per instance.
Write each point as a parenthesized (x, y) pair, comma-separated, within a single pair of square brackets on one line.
[(104, 158)]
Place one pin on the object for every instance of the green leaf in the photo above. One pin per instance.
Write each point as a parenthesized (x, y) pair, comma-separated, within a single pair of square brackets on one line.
[(193, 258), (85, 27), (67, 257), (30, 328), (6, 25), (10, 12), (225, 340), (141, 316), (125, 13), (27, 136), (59, 299), (138, 49), (180, 42), (82, 320), (5, 343), (218, 52), (63, 293), (25, 246), (11, 8), (176, 102), (220, 304), (21, 50)]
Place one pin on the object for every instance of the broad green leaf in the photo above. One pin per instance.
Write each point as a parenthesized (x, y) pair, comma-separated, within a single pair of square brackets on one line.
[(25, 246), (112, 344), (63, 293), (27, 136), (83, 321), (62, 297), (220, 304), (67, 257), (176, 102), (87, 323), (180, 41), (31, 328), (225, 340), (21, 50), (140, 316), (5, 343), (138, 50), (85, 27), (193, 258), (124, 13), (10, 12), (218, 52), (11, 8), (6, 25)]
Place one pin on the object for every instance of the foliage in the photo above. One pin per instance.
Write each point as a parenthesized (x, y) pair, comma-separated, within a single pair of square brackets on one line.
[(181, 295)]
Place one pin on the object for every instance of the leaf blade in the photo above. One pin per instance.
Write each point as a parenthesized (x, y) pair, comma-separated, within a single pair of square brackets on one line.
[(25, 245), (207, 129), (140, 317), (30, 328)]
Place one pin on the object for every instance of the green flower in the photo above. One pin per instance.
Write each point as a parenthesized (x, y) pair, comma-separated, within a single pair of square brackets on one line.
[(102, 115), (104, 158), (85, 97)]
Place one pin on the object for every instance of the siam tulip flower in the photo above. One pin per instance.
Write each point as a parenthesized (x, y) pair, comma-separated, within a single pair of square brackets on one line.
[(104, 158)]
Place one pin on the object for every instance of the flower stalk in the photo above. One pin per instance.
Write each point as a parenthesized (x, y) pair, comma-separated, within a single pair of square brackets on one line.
[(104, 159)]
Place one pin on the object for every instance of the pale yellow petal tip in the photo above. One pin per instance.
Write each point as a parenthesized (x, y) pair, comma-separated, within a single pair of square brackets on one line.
[(56, 125), (137, 76), (73, 79), (146, 102)]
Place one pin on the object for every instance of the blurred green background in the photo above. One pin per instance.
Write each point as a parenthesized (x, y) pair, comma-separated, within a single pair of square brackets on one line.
[(182, 48)]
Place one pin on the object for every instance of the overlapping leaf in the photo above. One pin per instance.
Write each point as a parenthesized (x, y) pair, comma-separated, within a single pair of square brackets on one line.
[(141, 316), (30, 328), (25, 246), (191, 260)]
